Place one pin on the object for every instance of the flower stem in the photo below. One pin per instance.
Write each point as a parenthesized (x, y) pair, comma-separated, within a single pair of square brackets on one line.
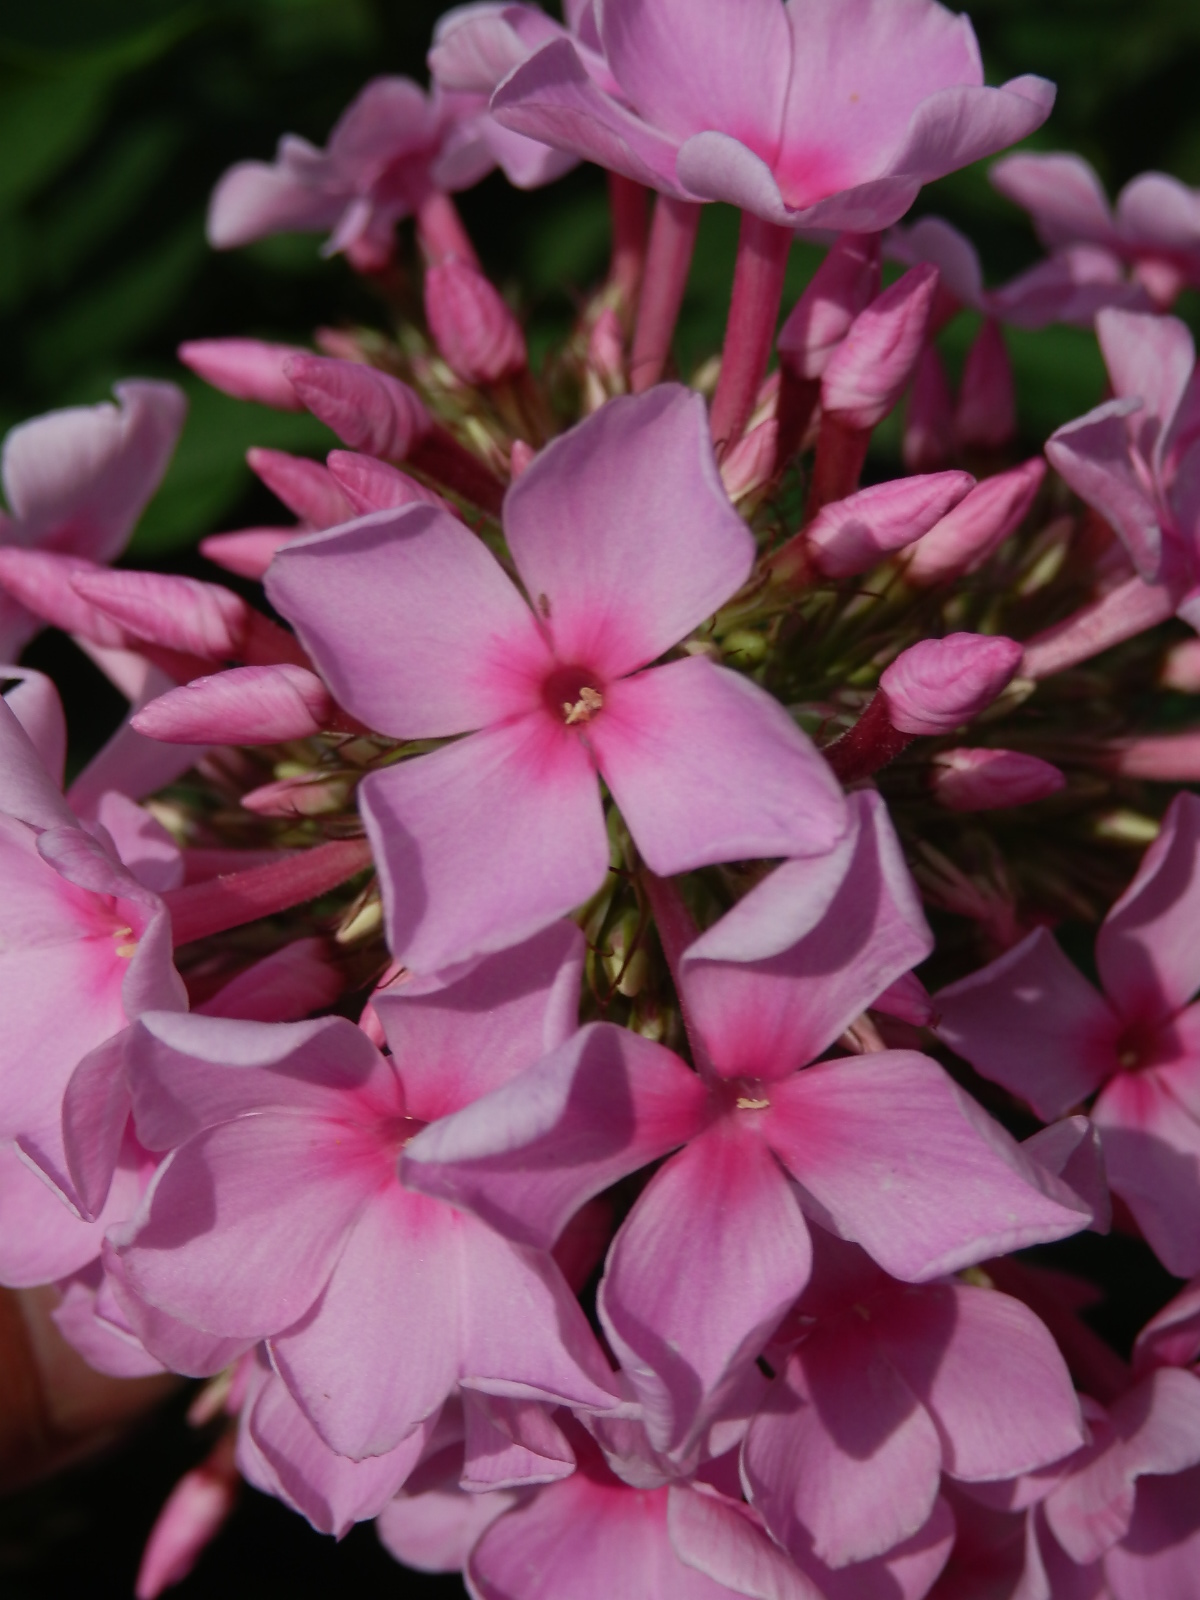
[(628, 203), (668, 260), (753, 312)]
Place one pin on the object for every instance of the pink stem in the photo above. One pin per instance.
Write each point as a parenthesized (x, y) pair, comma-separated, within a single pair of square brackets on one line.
[(628, 202), (1162, 758), (668, 260), (1120, 615), (201, 909), (870, 744), (441, 232), (753, 312), (841, 452)]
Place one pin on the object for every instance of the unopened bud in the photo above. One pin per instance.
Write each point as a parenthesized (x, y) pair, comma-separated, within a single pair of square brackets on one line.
[(606, 348), (751, 462), (285, 986), (248, 552), (929, 424), (247, 369), (843, 285), (371, 485), (310, 794), (855, 534), (1181, 668), (193, 1514), (977, 526), (872, 367), (369, 410), (522, 457), (937, 685), (987, 399), (991, 780), (246, 705), (475, 332), (306, 487)]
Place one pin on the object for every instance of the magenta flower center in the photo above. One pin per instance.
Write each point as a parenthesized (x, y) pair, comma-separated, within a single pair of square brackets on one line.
[(573, 694)]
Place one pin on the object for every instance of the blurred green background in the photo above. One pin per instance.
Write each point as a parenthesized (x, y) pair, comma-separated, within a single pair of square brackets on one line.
[(117, 117)]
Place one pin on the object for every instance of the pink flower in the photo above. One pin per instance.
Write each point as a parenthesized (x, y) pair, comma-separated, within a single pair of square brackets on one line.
[(1031, 1022), (1155, 227), (625, 542), (883, 1148), (819, 114), (278, 1214), (77, 481)]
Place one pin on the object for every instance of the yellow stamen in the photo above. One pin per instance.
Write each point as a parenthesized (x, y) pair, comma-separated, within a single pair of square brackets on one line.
[(585, 708)]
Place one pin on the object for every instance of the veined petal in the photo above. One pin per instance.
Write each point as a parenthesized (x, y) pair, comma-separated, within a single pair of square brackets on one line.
[(1151, 1145)]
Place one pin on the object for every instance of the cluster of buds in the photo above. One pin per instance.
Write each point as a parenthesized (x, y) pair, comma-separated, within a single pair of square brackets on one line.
[(468, 1013)]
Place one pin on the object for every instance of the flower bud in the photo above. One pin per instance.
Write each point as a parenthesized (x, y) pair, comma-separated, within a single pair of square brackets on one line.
[(42, 581), (937, 685), (991, 780), (1181, 667), (987, 399), (285, 986), (248, 552), (522, 457), (247, 369), (475, 332), (311, 794), (371, 485), (367, 409), (929, 425), (751, 462), (606, 348), (977, 526), (843, 285), (305, 487), (854, 534), (246, 705), (193, 1514), (872, 367)]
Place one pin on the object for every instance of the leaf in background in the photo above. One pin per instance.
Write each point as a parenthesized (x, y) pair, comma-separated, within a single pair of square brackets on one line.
[(44, 123)]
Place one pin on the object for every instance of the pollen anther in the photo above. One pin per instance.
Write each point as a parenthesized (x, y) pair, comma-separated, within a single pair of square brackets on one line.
[(585, 708)]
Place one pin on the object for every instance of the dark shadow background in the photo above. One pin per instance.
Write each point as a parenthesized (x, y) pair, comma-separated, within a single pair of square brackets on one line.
[(116, 119)]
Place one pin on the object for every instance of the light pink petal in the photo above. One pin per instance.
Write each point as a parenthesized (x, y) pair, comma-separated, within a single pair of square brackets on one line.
[(289, 984), (380, 1350), (991, 1377), (27, 791), (1150, 359), (511, 1444), (255, 199), (512, 1009), (433, 823), (1061, 192), (95, 1119), (903, 1162), (1071, 1149), (102, 1345), (842, 1455), (623, 534), (874, 364), (1160, 210), (706, 766), (332, 1492), (526, 163), (934, 240), (828, 957), (435, 1531), (853, 535), (191, 1072), (41, 1238), (1146, 950), (33, 700), (1159, 1557), (178, 1346), (1071, 286), (1032, 1022), (1172, 1337), (1152, 1155), (476, 46), (79, 479), (724, 1540), (1093, 456), (702, 1271), (526, 1157), (552, 98), (243, 1225), (368, 602)]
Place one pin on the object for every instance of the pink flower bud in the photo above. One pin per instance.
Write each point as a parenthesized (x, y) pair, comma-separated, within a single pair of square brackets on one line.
[(248, 552), (522, 456), (246, 705), (193, 1514), (854, 534), (606, 347), (843, 285), (371, 485), (937, 685), (929, 425), (908, 1000), (977, 526), (283, 987), (248, 369), (751, 462), (42, 582), (368, 410), (991, 780), (1163, 757), (987, 399), (1181, 668), (872, 367), (313, 796), (477, 335), (305, 487)]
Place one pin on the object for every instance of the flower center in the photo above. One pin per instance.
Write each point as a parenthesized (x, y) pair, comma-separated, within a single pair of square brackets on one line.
[(573, 694), (126, 943)]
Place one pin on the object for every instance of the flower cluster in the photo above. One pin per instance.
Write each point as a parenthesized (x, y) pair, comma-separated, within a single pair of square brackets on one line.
[(468, 1013)]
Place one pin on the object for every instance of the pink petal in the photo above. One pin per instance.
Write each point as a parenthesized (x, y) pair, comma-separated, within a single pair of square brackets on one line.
[(991, 1377), (706, 766), (1161, 209), (853, 535), (977, 525), (934, 240), (529, 1155), (101, 1344), (1150, 359), (379, 1351), (1032, 1022), (95, 1118), (41, 1238), (243, 1225), (33, 700), (247, 369), (722, 1539), (285, 986), (1093, 455), (179, 1347), (903, 1162), (1146, 950), (775, 981), (433, 822), (1152, 1155), (511, 1444), (369, 410), (954, 127), (842, 1454), (368, 600), (907, 1572), (623, 562), (27, 791), (702, 1271), (254, 200), (436, 1530), (716, 166), (1159, 1557), (1062, 193), (463, 1041), (1172, 1337)]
